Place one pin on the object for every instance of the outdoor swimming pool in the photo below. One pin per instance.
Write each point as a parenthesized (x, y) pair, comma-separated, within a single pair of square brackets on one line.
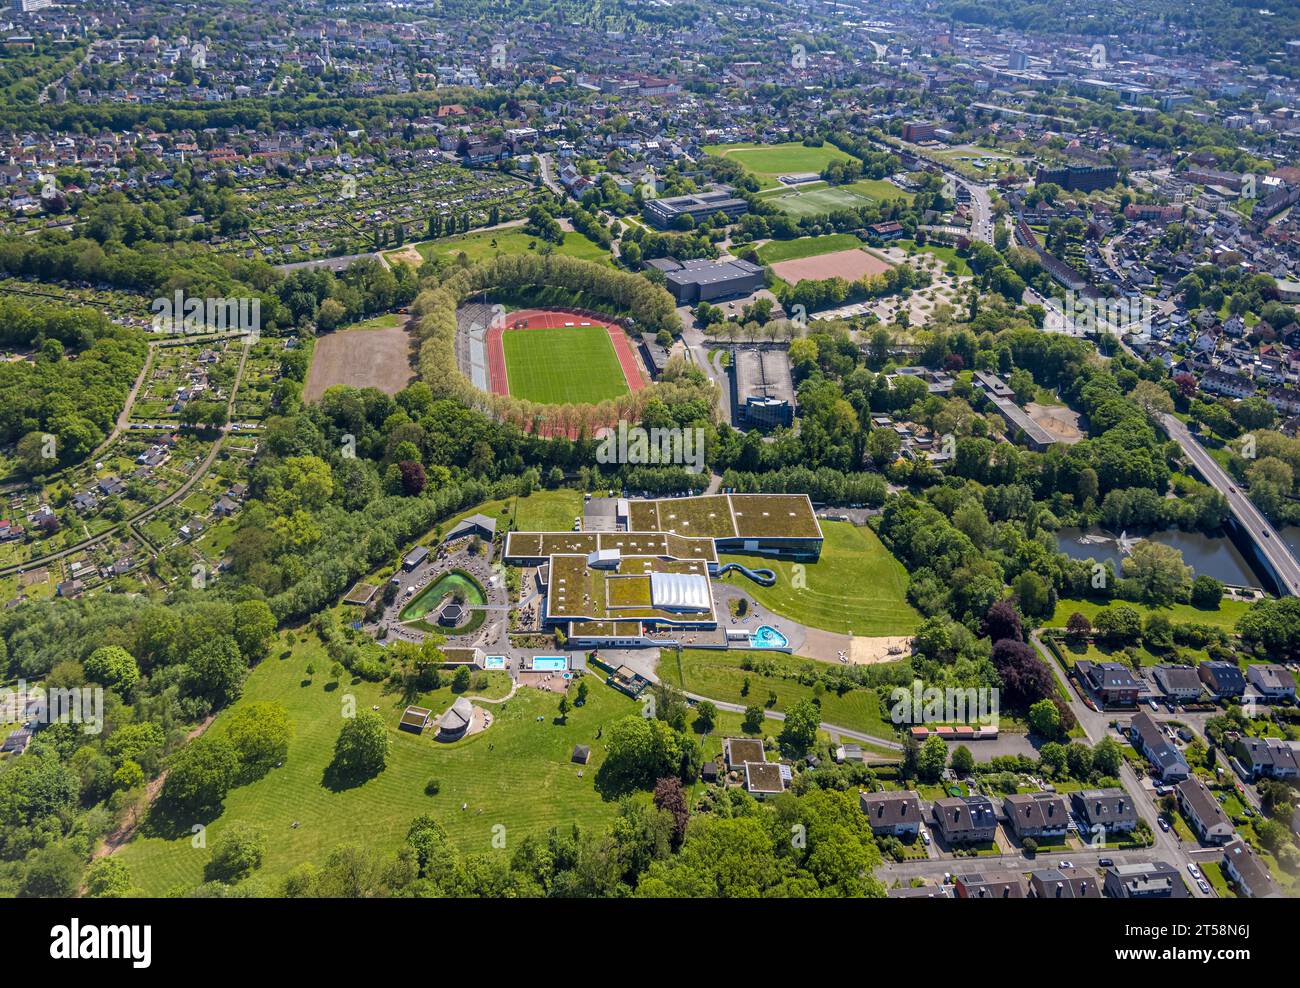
[(494, 662), (768, 637), (549, 663)]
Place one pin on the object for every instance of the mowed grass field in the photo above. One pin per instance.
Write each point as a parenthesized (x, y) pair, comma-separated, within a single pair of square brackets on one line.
[(815, 202), (856, 587), (768, 161), (1226, 616), (569, 365), (517, 773), (787, 250), (479, 246), (720, 675)]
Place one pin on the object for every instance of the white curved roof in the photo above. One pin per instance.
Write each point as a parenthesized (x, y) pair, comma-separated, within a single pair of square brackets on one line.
[(458, 715), (680, 592)]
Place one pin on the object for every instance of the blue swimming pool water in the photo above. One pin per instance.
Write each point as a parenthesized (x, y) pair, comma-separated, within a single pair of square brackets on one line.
[(768, 637), (550, 663), (494, 662)]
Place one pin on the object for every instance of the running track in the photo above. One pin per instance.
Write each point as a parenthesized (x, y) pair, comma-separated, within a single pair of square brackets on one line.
[(553, 319)]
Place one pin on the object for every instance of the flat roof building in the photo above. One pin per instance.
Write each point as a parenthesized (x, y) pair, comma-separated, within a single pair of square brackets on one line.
[(698, 206), (704, 280), (764, 387)]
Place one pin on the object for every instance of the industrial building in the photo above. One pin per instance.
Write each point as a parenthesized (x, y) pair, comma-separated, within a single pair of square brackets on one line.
[(1079, 178)]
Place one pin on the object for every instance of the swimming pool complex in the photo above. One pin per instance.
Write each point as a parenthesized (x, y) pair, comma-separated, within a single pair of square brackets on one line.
[(549, 663), (494, 662)]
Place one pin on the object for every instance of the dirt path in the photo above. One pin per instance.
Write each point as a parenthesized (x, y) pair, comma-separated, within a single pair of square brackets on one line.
[(127, 828)]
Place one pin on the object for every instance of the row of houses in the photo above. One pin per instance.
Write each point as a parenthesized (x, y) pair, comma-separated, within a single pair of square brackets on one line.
[(974, 819), (1116, 685)]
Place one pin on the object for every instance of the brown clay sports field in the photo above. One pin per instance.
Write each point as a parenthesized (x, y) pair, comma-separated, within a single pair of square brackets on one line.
[(851, 265), (376, 355)]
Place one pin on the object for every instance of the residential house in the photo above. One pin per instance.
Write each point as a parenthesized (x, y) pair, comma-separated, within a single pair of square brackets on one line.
[(1270, 758), (1053, 883), (1040, 815), (1180, 683), (1157, 880), (1203, 811), (1112, 682), (1244, 867), (1271, 681), (1111, 809), (1223, 679), (1155, 746), (895, 813), (989, 885), (965, 819)]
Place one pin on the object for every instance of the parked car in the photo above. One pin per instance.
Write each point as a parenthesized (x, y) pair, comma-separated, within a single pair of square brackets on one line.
[(1164, 824), (1105, 862), (1204, 886), (1193, 870)]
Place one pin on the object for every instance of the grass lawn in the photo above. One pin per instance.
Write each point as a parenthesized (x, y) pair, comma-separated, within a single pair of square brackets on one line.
[(948, 255), (785, 250), (717, 674), (879, 189), (856, 587), (389, 320), (517, 773), (767, 162), (1213, 872), (1073, 651), (567, 365), (1225, 616), (479, 246)]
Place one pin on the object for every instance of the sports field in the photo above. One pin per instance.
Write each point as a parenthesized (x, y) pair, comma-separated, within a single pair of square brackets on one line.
[(766, 162), (787, 250), (561, 366), (489, 243), (815, 202), (851, 265)]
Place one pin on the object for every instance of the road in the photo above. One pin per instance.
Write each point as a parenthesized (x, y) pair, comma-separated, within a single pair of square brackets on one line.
[(1249, 517), (546, 169)]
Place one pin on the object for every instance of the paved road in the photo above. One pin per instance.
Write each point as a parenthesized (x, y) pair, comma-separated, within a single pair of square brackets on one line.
[(1250, 518)]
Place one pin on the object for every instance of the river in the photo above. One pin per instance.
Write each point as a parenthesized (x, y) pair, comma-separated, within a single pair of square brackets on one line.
[(1208, 555)]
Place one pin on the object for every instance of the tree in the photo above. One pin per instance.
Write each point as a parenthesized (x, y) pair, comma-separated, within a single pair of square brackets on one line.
[(361, 750), (215, 670), (237, 854), (1045, 719), (799, 732), (114, 667), (963, 762), (564, 707), (260, 733), (200, 777), (1207, 593), (1002, 622), (1078, 626), (669, 797), (706, 716), (932, 759), (1107, 757), (460, 682), (753, 721), (254, 627), (108, 878), (52, 873), (1272, 628), (1158, 571), (1078, 759)]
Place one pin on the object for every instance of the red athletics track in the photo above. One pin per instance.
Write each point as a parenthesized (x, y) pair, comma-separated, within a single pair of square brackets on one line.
[(553, 319)]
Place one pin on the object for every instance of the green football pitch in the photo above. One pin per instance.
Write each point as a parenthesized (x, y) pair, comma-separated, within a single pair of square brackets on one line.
[(568, 365)]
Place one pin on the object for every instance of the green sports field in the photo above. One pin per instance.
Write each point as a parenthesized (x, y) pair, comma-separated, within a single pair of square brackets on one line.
[(569, 365), (818, 201), (788, 250), (767, 162)]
